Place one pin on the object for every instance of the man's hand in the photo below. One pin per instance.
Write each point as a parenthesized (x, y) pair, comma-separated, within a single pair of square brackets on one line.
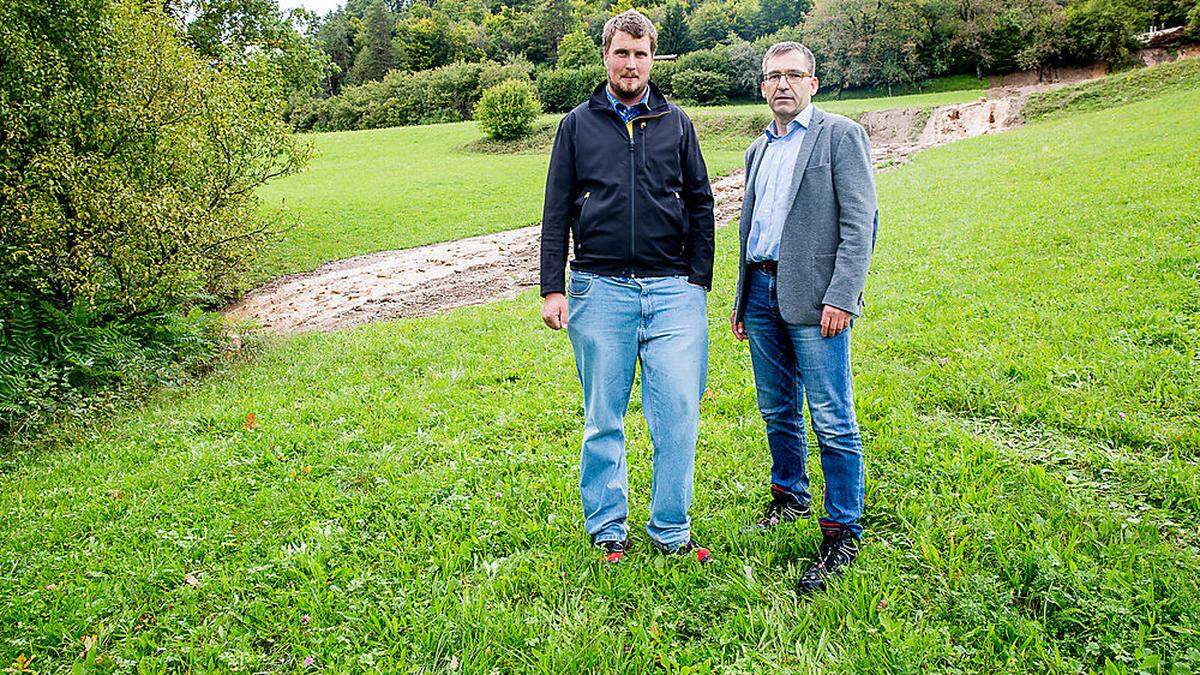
[(554, 310), (833, 321), (738, 328)]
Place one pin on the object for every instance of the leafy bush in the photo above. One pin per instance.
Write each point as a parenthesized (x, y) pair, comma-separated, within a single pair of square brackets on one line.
[(745, 66), (661, 74), (715, 60), (702, 86), (446, 94), (561, 90), (129, 166), (507, 111)]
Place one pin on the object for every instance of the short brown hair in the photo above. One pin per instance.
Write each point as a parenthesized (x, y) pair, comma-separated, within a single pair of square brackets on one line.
[(634, 23)]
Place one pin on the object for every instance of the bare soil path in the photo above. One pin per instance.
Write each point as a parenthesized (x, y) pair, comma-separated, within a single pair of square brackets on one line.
[(429, 280)]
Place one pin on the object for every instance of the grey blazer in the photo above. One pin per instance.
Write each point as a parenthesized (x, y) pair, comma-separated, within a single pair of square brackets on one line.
[(830, 230)]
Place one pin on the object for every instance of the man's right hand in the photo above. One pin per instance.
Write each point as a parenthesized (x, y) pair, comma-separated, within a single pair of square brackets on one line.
[(554, 310), (738, 327)]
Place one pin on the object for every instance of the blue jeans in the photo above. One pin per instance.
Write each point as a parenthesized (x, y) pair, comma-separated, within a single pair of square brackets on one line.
[(614, 323), (791, 361)]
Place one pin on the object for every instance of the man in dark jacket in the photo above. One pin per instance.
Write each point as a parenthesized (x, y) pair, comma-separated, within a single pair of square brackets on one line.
[(627, 184)]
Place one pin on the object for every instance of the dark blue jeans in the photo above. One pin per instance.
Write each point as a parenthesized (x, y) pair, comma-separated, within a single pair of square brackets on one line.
[(790, 363)]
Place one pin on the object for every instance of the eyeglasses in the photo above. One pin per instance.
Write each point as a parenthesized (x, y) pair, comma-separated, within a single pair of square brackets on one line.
[(792, 76)]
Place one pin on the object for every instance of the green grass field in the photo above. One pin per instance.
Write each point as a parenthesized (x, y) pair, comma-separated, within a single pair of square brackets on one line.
[(1027, 382), (368, 191)]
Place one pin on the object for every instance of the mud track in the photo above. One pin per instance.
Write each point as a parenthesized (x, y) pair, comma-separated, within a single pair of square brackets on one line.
[(429, 280)]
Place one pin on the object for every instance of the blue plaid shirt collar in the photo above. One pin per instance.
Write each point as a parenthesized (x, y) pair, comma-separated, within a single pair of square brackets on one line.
[(626, 112)]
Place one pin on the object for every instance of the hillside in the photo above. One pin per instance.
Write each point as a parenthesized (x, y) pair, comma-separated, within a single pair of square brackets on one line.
[(405, 495)]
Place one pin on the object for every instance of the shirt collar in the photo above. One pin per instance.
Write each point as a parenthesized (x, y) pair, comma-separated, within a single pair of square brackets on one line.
[(619, 107), (802, 121)]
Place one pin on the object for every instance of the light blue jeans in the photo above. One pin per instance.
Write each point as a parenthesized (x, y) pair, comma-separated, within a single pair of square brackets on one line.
[(615, 323), (791, 363)]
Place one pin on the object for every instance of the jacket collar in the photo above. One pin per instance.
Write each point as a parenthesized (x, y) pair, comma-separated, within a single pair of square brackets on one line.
[(656, 101)]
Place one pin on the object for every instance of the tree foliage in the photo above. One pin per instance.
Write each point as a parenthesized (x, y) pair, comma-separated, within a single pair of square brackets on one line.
[(577, 50), (377, 55), (128, 166)]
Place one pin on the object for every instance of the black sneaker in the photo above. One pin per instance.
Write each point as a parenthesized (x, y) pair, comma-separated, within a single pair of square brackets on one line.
[(784, 507), (703, 555), (838, 550), (614, 551)]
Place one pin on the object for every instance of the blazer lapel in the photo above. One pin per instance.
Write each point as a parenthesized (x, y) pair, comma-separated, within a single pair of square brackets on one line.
[(815, 125)]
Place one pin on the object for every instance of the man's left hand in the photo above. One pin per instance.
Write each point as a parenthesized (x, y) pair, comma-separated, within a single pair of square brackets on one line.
[(834, 321)]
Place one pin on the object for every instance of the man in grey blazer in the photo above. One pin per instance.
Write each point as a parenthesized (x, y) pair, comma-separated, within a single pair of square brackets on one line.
[(807, 232)]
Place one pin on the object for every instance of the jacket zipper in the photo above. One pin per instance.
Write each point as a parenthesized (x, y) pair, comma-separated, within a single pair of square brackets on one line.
[(632, 199), (632, 126)]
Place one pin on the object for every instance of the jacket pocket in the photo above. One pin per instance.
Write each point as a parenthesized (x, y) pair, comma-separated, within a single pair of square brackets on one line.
[(822, 273), (581, 205)]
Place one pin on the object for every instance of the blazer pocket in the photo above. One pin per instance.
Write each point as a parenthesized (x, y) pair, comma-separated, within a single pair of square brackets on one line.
[(811, 167), (822, 275)]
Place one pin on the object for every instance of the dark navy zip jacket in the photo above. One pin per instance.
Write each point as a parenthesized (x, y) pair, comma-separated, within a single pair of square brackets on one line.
[(633, 204)]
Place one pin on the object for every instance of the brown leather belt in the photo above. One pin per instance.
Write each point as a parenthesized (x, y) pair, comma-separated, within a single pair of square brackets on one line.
[(768, 266)]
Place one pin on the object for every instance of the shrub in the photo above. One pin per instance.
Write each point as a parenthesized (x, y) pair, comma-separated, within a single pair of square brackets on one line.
[(702, 86), (661, 74), (745, 63), (446, 94), (715, 60), (506, 111), (561, 90), (128, 168)]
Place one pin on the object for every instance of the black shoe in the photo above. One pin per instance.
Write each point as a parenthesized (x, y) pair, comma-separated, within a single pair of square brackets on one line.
[(614, 551), (838, 550), (784, 507), (690, 547)]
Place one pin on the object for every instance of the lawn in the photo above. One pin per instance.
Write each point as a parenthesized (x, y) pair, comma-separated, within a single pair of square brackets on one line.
[(405, 496), (368, 191)]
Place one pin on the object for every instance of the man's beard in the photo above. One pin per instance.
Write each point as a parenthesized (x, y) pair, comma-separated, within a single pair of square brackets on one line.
[(625, 92)]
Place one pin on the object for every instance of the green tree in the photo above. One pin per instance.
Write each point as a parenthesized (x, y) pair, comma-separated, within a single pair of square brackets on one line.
[(776, 14), (866, 42), (710, 23), (432, 41), (335, 35), (512, 32), (1103, 30), (1045, 43), (233, 30), (576, 50), (554, 18), (674, 36), (129, 165), (377, 55)]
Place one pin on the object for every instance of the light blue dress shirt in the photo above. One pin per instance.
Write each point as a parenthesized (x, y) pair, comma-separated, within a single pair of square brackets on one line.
[(773, 187)]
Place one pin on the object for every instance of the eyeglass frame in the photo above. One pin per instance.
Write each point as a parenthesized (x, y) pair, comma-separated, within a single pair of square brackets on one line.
[(800, 75)]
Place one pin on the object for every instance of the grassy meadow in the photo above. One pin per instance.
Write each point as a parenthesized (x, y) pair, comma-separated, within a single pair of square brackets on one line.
[(381, 189), (405, 495)]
